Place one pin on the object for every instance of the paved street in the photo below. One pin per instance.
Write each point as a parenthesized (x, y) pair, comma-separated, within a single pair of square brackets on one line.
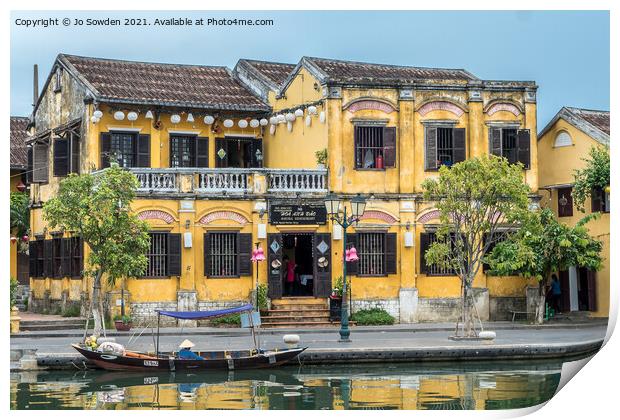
[(376, 338)]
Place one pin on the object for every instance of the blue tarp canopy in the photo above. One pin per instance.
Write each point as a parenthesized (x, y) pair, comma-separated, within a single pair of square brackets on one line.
[(206, 314)]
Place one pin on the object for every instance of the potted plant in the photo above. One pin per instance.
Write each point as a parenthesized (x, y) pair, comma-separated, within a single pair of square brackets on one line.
[(122, 323), (321, 158), (335, 301)]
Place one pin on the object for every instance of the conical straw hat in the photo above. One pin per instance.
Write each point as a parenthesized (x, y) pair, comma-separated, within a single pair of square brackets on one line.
[(186, 344)]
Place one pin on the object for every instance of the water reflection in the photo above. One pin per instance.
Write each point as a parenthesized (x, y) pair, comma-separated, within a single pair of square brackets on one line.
[(387, 386)]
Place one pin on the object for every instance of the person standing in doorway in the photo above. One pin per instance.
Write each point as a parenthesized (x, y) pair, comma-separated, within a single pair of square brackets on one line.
[(555, 293), (290, 275)]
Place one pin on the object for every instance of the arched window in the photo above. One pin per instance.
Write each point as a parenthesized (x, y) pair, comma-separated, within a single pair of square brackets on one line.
[(563, 139)]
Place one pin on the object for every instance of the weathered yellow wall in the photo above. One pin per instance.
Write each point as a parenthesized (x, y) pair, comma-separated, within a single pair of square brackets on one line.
[(552, 174)]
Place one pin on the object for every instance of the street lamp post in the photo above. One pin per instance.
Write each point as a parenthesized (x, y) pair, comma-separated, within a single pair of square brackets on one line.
[(257, 255), (332, 204)]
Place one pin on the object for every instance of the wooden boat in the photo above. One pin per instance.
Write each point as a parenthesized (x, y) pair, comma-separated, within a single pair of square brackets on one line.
[(255, 358)]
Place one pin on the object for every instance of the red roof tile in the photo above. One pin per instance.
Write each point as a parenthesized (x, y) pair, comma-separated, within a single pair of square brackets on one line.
[(275, 72), (598, 119)]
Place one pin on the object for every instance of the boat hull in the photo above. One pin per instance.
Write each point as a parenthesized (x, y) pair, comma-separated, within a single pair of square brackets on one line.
[(148, 363)]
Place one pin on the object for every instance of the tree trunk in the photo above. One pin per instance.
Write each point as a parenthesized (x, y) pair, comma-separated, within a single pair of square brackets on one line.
[(468, 324), (540, 303), (96, 304)]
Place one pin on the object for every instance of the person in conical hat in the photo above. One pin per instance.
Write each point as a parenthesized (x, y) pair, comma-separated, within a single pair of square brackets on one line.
[(185, 352)]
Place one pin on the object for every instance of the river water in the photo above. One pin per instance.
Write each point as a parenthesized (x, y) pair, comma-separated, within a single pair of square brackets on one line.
[(420, 386)]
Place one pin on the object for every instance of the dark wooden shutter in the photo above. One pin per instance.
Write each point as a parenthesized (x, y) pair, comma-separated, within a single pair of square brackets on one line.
[(596, 198), (104, 149), (40, 158), (458, 145), (77, 252), (389, 147), (565, 291), (591, 277), (74, 147), (33, 256), (49, 258), (30, 167), (61, 157), (424, 244), (390, 253), (567, 209), (202, 152), (430, 148), (257, 145), (322, 275), (143, 151), (174, 254), (244, 254), (65, 265), (352, 241), (274, 276), (523, 142), (220, 144), (206, 245), (495, 141), (356, 140)]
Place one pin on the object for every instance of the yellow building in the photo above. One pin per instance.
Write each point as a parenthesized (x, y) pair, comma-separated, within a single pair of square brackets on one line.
[(563, 144), (226, 162), (18, 182)]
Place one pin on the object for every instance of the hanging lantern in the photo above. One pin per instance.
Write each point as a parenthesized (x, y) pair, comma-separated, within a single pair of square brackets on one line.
[(228, 123), (175, 118), (322, 117), (254, 123), (21, 187), (263, 122), (98, 114), (259, 255), (242, 124), (289, 125), (190, 117), (132, 116), (290, 117), (299, 112), (272, 129), (351, 254), (119, 115), (312, 110), (149, 115), (208, 119), (281, 119), (25, 238), (273, 120), (308, 120), (13, 239), (94, 119)]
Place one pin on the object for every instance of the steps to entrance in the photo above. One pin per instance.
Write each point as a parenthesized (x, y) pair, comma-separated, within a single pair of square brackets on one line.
[(52, 324), (292, 312)]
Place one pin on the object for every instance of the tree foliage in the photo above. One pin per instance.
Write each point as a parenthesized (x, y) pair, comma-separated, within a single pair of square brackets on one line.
[(97, 208), (475, 198), (20, 214), (595, 174), (543, 246)]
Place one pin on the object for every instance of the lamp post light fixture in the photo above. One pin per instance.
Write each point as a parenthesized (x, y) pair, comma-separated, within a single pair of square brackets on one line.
[(257, 255), (332, 205)]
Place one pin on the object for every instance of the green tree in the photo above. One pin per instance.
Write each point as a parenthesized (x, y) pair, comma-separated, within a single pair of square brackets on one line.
[(596, 174), (475, 198), (20, 213), (97, 207), (543, 246)]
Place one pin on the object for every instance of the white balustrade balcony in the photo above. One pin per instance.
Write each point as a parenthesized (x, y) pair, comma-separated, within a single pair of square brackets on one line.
[(233, 181)]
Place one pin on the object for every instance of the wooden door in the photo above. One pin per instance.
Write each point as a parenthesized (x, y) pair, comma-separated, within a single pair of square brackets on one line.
[(565, 288), (322, 248), (274, 275), (591, 276)]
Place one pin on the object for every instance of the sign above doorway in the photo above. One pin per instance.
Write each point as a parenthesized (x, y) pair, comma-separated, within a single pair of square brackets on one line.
[(295, 213)]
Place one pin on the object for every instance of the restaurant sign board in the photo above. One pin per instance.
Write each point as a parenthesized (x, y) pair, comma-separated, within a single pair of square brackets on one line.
[(297, 213)]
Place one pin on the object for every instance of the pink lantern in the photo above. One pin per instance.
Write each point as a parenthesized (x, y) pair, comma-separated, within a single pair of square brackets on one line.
[(25, 238), (258, 255), (351, 254)]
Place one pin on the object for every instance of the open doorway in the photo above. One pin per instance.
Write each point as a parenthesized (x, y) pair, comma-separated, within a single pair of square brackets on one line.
[(298, 264)]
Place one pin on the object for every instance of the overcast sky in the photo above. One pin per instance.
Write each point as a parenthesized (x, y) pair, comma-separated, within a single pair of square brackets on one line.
[(566, 53)]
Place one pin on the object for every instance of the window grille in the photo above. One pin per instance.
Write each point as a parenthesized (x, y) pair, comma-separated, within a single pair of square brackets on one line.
[(182, 151), (510, 145), (122, 148), (445, 150), (223, 262), (371, 254), (369, 146), (157, 255), (436, 269)]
